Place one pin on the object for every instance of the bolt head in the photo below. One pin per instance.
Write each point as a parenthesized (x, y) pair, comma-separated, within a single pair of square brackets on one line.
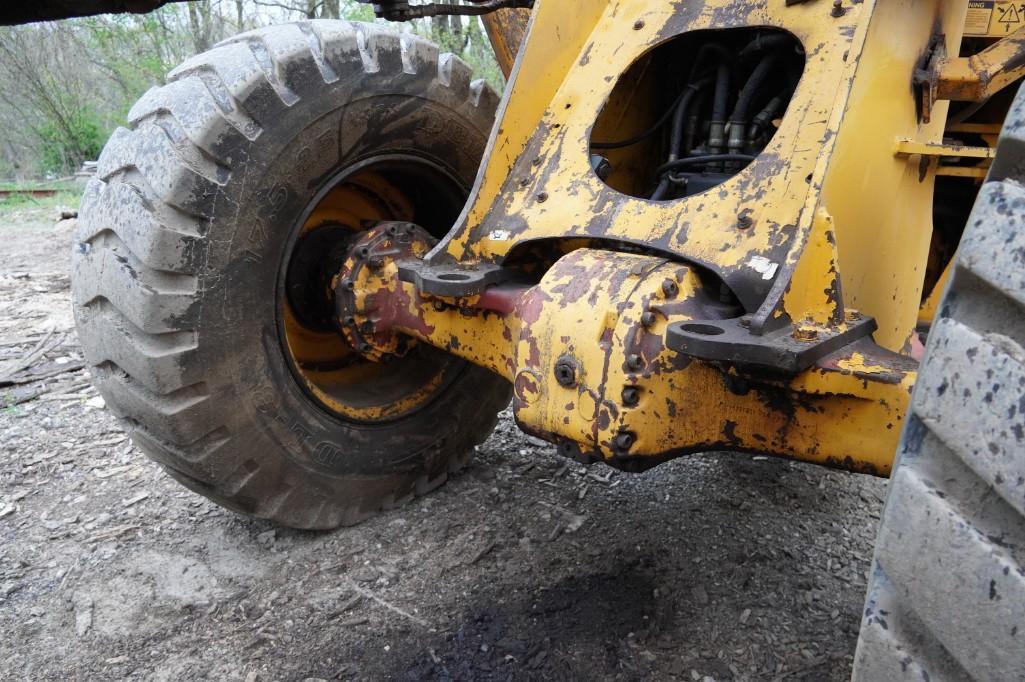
[(566, 372), (631, 396), (639, 24), (634, 361), (648, 318), (670, 288), (624, 441)]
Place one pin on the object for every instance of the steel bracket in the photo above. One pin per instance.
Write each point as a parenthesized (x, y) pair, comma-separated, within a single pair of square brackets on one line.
[(788, 349)]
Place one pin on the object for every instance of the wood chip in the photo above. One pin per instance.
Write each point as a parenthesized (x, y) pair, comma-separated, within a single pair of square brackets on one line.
[(135, 500)]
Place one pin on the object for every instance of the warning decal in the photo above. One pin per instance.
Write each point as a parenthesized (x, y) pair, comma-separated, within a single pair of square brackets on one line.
[(994, 18), (980, 17)]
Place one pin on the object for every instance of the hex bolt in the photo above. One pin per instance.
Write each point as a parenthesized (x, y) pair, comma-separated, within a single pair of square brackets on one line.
[(744, 222), (838, 10), (376, 263), (639, 24), (745, 321), (670, 288), (634, 361), (624, 441), (542, 197), (648, 318), (566, 372), (631, 396)]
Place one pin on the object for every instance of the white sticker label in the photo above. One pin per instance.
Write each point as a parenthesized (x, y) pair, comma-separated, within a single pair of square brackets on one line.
[(499, 235), (764, 266)]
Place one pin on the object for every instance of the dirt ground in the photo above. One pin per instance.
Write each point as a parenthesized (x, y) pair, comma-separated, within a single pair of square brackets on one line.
[(526, 566)]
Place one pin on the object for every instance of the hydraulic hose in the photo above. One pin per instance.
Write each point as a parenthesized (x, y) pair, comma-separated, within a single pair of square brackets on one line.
[(742, 110), (680, 116), (766, 43)]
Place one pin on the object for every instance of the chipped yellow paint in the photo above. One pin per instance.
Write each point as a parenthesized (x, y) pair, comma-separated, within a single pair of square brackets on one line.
[(838, 221), (588, 309)]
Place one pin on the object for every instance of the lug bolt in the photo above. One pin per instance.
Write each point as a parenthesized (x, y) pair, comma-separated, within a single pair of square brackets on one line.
[(624, 441), (838, 10), (631, 396), (670, 288), (363, 252), (648, 318), (634, 361), (566, 372)]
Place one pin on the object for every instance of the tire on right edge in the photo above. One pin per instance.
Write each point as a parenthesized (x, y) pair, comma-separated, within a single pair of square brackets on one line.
[(946, 598)]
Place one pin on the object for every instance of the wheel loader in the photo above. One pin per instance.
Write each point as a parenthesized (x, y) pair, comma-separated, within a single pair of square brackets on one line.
[(317, 262)]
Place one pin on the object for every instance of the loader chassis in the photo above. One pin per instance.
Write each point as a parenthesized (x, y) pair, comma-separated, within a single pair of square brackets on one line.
[(773, 313)]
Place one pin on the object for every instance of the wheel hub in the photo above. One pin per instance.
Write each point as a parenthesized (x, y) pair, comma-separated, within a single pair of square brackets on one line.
[(365, 296)]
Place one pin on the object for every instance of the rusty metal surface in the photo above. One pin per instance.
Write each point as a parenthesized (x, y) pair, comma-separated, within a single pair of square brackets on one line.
[(796, 237), (506, 29)]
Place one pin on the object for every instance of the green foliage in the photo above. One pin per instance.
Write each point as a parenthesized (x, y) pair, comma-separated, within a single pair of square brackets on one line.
[(69, 141)]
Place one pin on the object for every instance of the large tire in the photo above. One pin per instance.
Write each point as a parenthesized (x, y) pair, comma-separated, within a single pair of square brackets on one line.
[(177, 268), (946, 599)]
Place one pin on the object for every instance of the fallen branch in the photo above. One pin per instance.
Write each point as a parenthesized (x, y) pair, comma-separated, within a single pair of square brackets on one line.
[(26, 361), (391, 607)]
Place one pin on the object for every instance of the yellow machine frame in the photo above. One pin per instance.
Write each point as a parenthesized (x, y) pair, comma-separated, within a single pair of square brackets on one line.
[(824, 235)]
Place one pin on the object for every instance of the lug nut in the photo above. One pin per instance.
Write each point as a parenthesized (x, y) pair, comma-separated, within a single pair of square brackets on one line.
[(624, 441), (670, 288), (631, 396), (634, 361), (566, 372), (648, 318)]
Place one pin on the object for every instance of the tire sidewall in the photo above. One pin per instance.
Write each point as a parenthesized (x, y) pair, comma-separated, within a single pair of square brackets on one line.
[(254, 219)]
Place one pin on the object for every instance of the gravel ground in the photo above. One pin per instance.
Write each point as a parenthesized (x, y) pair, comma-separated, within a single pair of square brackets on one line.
[(526, 566)]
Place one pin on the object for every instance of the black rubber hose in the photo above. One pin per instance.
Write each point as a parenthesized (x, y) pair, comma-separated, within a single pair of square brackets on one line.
[(680, 116), (766, 43), (640, 137), (754, 83), (699, 160), (663, 187)]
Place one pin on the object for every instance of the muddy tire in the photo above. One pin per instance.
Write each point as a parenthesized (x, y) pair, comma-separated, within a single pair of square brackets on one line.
[(946, 598), (186, 234)]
